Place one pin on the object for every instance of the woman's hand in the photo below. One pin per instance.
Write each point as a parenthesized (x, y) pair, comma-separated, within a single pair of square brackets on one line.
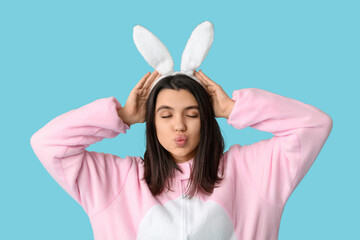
[(222, 104), (135, 106)]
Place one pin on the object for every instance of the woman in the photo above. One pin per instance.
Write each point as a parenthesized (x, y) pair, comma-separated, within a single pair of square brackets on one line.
[(239, 194)]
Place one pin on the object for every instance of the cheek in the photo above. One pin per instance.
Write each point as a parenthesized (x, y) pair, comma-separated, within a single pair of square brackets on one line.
[(162, 132), (196, 131)]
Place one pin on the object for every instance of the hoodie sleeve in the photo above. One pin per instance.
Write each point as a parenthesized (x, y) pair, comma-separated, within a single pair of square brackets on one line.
[(274, 167), (93, 179)]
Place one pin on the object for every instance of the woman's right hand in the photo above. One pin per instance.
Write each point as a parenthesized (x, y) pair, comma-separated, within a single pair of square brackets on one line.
[(135, 106)]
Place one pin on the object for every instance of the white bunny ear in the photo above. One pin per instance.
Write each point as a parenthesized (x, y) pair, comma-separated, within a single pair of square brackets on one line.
[(153, 50), (197, 47)]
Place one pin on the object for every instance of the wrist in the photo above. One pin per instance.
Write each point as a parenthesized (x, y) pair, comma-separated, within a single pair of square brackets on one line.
[(124, 116), (229, 108)]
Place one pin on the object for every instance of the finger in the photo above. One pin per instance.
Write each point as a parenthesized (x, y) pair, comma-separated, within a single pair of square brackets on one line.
[(147, 89), (152, 82), (207, 79), (158, 76), (148, 80), (151, 79), (210, 88), (147, 93), (198, 76), (142, 81)]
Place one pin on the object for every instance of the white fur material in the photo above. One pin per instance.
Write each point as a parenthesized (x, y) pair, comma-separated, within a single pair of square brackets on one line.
[(159, 57)]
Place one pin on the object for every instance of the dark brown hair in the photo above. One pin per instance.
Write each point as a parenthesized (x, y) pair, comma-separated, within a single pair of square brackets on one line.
[(158, 163)]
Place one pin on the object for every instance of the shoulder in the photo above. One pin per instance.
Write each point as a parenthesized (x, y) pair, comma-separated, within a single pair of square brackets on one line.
[(138, 164), (233, 149)]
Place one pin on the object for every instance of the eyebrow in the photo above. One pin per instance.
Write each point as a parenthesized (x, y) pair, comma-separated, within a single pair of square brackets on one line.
[(170, 108)]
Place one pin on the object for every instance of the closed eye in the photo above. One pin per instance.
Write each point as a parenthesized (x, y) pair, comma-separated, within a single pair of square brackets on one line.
[(192, 116)]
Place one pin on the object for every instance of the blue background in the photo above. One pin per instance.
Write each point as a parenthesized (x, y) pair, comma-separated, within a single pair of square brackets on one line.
[(56, 56)]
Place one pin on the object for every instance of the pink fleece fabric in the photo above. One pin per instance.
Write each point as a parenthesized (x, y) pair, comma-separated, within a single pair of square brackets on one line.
[(259, 178)]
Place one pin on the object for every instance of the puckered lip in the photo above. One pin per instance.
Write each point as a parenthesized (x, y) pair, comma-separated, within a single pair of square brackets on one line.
[(180, 137)]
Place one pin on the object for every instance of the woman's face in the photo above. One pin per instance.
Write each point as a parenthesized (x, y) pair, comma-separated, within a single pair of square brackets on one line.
[(177, 122)]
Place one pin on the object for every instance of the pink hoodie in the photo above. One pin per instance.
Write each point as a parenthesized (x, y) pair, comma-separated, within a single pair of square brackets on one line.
[(259, 178)]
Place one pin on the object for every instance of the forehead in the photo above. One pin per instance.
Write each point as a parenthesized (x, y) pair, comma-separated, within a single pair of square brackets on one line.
[(175, 98)]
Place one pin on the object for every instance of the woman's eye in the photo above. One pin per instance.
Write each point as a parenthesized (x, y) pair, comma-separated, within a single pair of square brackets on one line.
[(192, 116)]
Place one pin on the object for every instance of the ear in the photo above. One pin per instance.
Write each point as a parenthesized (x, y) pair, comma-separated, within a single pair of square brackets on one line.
[(197, 47), (153, 50)]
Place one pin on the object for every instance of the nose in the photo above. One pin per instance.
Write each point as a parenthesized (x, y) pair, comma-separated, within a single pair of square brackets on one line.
[(179, 124)]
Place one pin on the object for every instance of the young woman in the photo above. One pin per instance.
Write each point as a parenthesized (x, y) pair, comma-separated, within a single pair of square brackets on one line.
[(186, 186)]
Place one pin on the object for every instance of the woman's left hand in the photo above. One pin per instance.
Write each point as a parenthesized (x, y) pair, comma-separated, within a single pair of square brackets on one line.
[(222, 104)]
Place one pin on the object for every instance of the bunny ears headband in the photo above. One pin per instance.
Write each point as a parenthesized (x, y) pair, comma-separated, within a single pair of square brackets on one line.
[(158, 56)]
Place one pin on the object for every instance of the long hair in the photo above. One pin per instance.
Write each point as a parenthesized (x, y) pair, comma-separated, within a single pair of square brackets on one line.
[(158, 163)]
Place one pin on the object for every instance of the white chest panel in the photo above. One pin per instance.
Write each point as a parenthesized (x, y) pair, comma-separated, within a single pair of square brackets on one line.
[(184, 218)]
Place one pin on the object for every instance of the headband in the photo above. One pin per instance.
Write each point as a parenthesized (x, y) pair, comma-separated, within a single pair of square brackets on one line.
[(158, 56)]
